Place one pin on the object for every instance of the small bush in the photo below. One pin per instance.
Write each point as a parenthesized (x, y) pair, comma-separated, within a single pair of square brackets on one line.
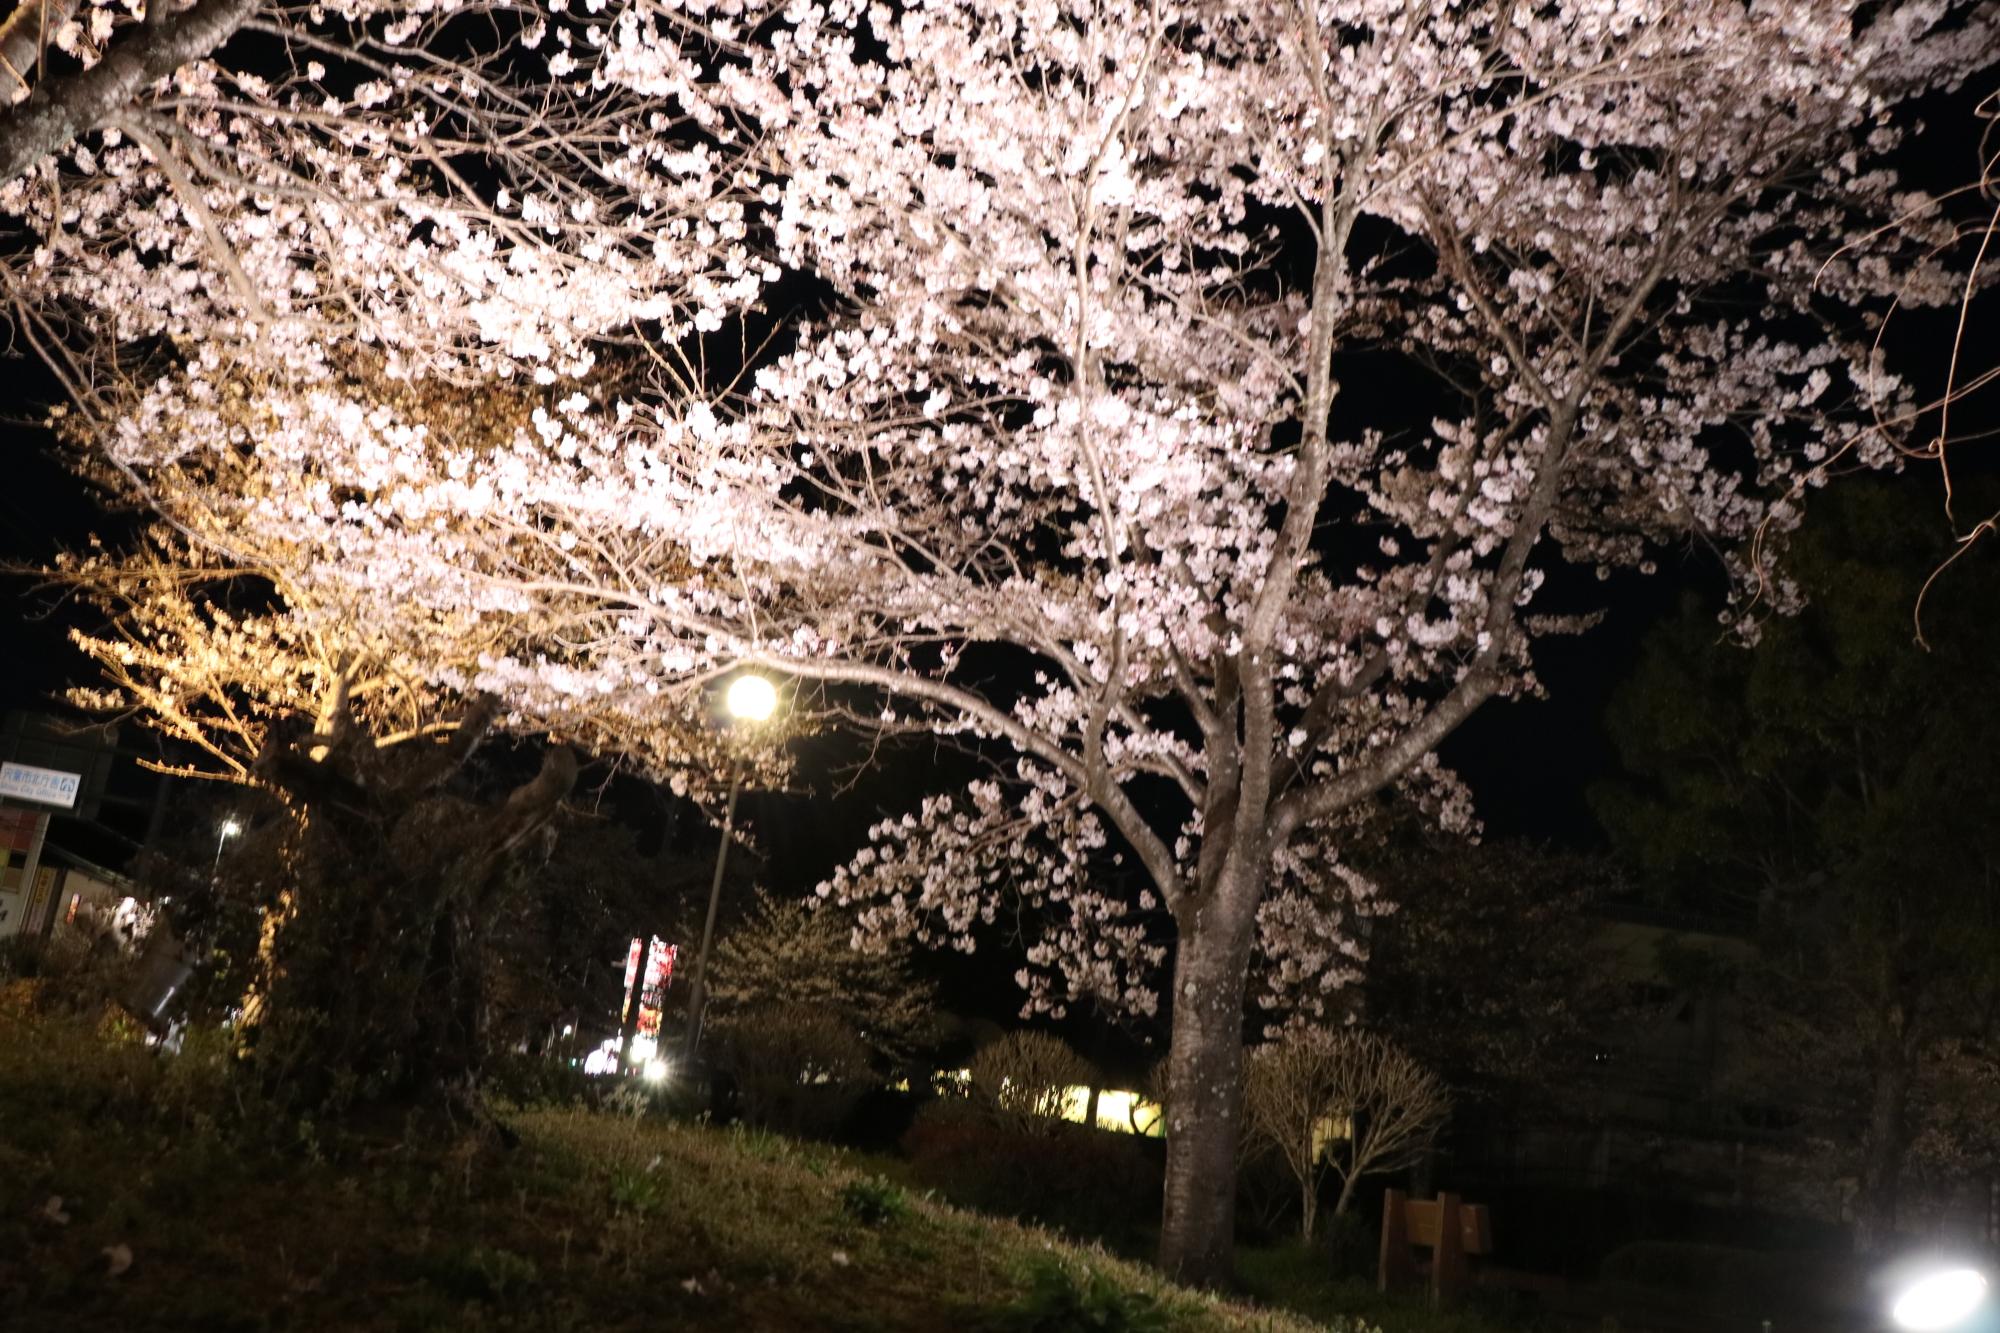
[(1354, 1249), (1027, 1076), (489, 1274), (873, 1201), (1076, 1298), (530, 1081), (798, 1069), (637, 1192)]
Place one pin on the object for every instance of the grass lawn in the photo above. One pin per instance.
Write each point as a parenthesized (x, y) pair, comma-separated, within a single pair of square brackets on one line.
[(111, 1155), (1296, 1278)]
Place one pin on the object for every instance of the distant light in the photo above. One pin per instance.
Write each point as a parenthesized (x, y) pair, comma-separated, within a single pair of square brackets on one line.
[(655, 1071), (1939, 1300), (751, 698), (569, 1030), (230, 828), (603, 1060)]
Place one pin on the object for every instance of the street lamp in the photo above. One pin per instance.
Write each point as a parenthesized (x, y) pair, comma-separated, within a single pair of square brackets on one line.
[(1941, 1299), (230, 828), (750, 698)]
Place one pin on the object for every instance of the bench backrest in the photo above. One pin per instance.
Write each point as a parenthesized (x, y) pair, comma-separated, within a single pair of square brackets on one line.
[(1421, 1218), (1451, 1230)]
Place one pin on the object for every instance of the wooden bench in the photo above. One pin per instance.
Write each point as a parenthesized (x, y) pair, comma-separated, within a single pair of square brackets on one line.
[(1453, 1231)]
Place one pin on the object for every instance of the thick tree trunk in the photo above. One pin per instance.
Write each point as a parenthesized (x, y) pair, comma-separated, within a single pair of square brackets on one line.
[(1882, 1155), (1204, 1101), (1308, 1205), (63, 107)]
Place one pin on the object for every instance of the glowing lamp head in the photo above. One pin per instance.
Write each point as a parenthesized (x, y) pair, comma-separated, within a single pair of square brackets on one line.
[(1939, 1300), (751, 698), (230, 828), (654, 1071)]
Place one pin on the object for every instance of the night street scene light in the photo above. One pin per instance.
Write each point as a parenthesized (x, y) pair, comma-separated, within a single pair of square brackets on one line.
[(750, 698), (1941, 1299), (230, 828)]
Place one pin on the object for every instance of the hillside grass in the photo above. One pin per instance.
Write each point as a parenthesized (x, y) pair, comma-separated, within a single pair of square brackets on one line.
[(236, 1222)]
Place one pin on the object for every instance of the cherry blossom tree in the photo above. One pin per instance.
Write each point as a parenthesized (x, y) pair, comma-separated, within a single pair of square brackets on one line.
[(1087, 403), (1209, 405), (463, 189)]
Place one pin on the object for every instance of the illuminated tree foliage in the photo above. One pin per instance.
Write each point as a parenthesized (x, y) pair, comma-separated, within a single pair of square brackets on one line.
[(1078, 461)]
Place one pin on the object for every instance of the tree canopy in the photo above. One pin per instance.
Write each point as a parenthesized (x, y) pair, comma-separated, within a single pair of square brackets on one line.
[(1207, 401)]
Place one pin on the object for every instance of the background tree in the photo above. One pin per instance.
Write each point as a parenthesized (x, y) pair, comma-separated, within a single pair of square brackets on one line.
[(1028, 1076), (1838, 782), (785, 953), (558, 951), (796, 1067), (1489, 969), (1288, 1098), (1066, 469), (1393, 1107)]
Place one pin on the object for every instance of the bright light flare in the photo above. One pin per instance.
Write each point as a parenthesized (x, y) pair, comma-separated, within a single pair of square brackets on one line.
[(1939, 1300), (751, 698), (230, 828), (655, 1071)]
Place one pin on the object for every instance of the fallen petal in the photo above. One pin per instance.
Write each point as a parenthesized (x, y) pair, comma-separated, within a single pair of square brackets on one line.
[(120, 1257)]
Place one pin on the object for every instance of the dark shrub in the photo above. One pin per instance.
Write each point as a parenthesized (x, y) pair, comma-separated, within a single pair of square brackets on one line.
[(796, 1068), (1721, 1281), (1088, 1182)]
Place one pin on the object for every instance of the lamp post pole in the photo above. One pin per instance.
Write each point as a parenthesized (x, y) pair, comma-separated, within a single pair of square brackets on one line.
[(230, 828), (699, 986), (750, 698)]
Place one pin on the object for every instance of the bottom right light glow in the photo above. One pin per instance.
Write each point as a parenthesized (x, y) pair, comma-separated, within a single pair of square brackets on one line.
[(1939, 1300)]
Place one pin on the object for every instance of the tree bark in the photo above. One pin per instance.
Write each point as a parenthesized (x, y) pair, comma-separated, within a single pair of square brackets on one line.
[(1205, 1095), (1882, 1158), (22, 39), (61, 108)]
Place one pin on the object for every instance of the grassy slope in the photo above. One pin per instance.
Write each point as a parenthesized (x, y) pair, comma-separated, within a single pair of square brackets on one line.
[(595, 1222)]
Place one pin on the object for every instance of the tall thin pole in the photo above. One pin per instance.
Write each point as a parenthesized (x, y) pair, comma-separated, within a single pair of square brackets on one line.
[(696, 995)]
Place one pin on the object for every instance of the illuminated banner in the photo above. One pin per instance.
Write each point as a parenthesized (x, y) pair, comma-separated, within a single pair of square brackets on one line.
[(660, 959), (631, 975), (659, 974)]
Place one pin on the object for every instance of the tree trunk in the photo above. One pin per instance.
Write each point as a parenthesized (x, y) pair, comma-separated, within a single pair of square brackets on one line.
[(1205, 1098), (1347, 1184), (1882, 1155), (67, 105), (1308, 1205)]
